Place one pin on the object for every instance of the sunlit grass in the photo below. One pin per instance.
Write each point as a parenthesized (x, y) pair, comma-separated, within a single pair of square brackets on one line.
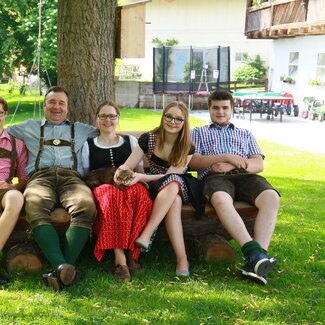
[(215, 293)]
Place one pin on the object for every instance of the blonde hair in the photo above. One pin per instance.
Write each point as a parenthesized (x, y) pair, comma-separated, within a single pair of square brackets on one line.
[(182, 145)]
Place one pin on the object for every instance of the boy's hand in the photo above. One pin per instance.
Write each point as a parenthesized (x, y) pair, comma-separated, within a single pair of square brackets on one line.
[(221, 167), (237, 161)]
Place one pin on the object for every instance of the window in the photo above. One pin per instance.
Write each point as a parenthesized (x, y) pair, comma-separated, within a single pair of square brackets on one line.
[(293, 63), (320, 69), (239, 56)]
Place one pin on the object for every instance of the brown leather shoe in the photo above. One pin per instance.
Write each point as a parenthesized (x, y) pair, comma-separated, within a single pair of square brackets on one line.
[(66, 273), (133, 265), (52, 280), (122, 273)]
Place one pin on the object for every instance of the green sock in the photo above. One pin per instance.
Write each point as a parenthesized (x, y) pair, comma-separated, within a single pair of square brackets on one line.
[(74, 241), (48, 240), (251, 247)]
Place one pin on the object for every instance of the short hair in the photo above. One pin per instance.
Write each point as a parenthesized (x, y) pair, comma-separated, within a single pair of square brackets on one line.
[(108, 103), (56, 89), (4, 104), (221, 95)]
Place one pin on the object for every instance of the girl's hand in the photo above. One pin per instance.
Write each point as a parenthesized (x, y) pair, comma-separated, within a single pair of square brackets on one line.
[(117, 174), (137, 177)]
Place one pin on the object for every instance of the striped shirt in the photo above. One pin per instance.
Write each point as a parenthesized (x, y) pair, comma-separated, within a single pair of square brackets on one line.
[(213, 139), (21, 161)]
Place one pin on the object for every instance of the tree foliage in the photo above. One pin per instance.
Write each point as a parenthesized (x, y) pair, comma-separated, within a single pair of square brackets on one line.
[(253, 68), (19, 29)]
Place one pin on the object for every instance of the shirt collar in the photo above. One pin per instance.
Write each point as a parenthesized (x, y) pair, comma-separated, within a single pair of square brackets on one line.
[(44, 121), (5, 134), (214, 125)]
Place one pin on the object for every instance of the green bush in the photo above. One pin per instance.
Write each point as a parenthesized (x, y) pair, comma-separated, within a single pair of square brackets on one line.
[(253, 68)]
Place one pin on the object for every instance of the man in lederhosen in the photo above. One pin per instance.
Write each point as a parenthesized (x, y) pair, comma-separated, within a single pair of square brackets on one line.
[(13, 161), (54, 167)]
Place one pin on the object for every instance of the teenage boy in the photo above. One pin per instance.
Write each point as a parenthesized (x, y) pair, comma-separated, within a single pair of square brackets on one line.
[(230, 162)]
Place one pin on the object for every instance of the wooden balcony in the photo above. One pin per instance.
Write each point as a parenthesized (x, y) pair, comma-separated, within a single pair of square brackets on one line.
[(285, 18)]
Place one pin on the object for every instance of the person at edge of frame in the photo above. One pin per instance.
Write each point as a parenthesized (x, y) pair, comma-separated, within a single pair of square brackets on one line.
[(13, 160)]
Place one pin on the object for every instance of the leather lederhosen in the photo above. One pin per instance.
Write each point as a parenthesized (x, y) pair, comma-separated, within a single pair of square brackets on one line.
[(4, 153), (56, 143)]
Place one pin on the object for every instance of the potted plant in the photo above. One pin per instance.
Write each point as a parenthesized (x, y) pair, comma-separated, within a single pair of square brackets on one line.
[(287, 79), (258, 2), (314, 82)]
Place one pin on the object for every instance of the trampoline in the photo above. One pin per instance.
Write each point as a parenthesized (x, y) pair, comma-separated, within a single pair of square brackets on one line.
[(189, 70)]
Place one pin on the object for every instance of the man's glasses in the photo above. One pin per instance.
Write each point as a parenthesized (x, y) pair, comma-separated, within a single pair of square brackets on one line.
[(111, 117), (177, 120), (2, 113)]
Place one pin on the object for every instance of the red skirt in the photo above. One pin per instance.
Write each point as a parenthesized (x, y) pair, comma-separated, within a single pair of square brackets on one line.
[(121, 216)]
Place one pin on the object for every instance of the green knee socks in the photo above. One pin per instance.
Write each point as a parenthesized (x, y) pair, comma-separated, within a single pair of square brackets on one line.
[(74, 241), (251, 247), (48, 240)]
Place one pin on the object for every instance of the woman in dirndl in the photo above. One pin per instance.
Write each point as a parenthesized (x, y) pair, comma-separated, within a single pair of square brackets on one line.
[(168, 149), (121, 214)]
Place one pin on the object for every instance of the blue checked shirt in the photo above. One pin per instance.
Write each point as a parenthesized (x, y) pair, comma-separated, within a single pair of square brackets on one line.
[(215, 140), (29, 132)]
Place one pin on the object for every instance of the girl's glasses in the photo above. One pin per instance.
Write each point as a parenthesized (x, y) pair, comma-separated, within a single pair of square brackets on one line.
[(104, 117), (177, 120)]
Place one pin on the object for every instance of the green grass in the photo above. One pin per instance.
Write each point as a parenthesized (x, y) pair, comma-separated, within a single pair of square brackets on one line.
[(215, 293)]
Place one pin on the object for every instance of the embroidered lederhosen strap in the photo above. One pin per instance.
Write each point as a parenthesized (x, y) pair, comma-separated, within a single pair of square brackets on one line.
[(4, 153), (56, 143)]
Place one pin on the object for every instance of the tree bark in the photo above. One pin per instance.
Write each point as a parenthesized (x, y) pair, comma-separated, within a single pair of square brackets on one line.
[(86, 54)]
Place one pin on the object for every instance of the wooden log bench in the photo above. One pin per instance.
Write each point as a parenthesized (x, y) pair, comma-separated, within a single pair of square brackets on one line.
[(205, 236)]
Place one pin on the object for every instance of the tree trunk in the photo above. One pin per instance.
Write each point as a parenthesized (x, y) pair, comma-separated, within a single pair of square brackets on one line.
[(86, 54)]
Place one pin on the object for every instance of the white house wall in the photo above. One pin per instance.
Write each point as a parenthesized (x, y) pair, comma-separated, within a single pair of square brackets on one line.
[(204, 23), (308, 48)]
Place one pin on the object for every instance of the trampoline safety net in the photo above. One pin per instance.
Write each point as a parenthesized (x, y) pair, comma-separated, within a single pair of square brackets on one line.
[(190, 70)]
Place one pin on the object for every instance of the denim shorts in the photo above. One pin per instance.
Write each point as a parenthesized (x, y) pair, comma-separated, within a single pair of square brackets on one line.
[(241, 187)]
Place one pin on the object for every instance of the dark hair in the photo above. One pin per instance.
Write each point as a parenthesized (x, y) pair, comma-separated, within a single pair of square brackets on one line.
[(56, 89), (221, 95), (108, 103), (4, 104)]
